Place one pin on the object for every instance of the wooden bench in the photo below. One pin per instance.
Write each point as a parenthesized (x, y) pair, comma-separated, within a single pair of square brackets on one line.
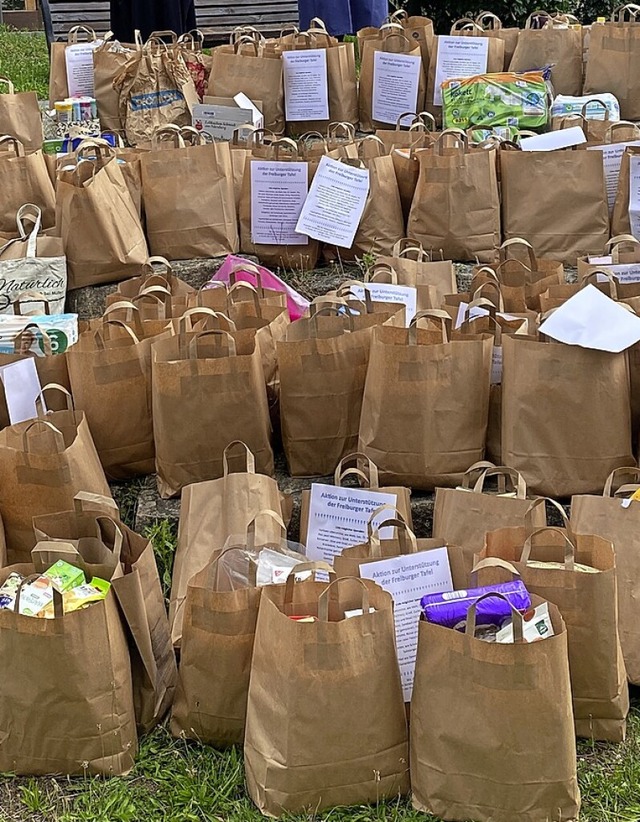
[(216, 18)]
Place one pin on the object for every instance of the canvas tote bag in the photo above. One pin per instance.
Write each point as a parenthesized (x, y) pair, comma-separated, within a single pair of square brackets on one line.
[(138, 591), (542, 190), (605, 516), (112, 245), (463, 515), (456, 206), (588, 603), (44, 463), (84, 722), (469, 697), (211, 512), (310, 742), (415, 375), (613, 61), (20, 115), (189, 202), (559, 442), (24, 178), (208, 389)]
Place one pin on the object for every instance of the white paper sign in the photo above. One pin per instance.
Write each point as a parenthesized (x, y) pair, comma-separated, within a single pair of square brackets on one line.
[(395, 85), (22, 388), (634, 194), (554, 140), (459, 57), (612, 160), (623, 272), (335, 204), (278, 192), (593, 320), (388, 293), (306, 91), (338, 518), (408, 578), (79, 62)]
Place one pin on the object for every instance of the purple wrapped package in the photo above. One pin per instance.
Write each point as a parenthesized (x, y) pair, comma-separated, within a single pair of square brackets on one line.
[(451, 608)]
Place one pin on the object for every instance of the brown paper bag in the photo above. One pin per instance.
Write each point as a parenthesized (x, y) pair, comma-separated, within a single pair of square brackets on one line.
[(359, 466), (215, 658), (210, 512), (24, 178), (155, 272), (20, 116), (392, 39), (471, 700), (248, 67), (456, 206), (620, 222), (588, 602), (342, 90), (606, 517), (58, 85), (136, 585), (553, 45), (560, 441), (463, 515), (613, 62), (208, 388), (189, 202), (323, 364), (110, 372), (416, 267), (542, 190), (310, 742), (492, 26), (108, 61), (414, 376), (155, 89), (111, 245), (44, 463), (85, 719), (415, 28)]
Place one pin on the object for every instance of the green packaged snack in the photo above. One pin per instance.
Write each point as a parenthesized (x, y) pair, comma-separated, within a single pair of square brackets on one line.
[(506, 99), (64, 576)]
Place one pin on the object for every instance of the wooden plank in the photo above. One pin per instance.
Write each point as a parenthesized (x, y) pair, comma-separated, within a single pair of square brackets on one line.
[(30, 5)]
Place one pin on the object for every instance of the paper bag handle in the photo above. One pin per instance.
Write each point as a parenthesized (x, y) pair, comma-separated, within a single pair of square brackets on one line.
[(518, 242), (186, 324), (53, 386), (503, 473), (57, 435), (325, 596), (251, 528), (476, 469), (631, 471), (493, 562), (352, 462), (435, 314), (384, 270), (21, 339), (99, 333), (8, 83), (318, 566), (218, 335), (541, 501), (406, 537), (518, 619), (250, 460), (84, 501), (243, 286), (569, 547), (212, 570), (384, 507)]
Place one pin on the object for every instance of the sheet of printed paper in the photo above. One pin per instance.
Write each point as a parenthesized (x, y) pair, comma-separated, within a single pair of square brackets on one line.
[(79, 62), (338, 518), (612, 160), (278, 192), (623, 272), (593, 320), (554, 140), (306, 90), (634, 194), (408, 578), (21, 388), (388, 293), (459, 57), (219, 122), (335, 203), (395, 85)]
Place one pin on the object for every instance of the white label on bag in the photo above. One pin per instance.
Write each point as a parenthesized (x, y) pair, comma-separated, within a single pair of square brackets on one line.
[(459, 57), (278, 192), (21, 389), (612, 160), (389, 293), (338, 518), (496, 365), (335, 204), (634, 194), (306, 91), (395, 85), (79, 61), (408, 578)]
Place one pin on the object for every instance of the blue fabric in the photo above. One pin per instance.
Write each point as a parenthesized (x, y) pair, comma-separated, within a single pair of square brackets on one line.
[(343, 16)]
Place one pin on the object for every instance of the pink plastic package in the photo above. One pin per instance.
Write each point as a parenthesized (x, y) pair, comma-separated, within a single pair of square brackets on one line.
[(246, 270)]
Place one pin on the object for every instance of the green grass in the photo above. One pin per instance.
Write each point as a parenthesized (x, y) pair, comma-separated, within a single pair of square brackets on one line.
[(24, 59), (178, 781)]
